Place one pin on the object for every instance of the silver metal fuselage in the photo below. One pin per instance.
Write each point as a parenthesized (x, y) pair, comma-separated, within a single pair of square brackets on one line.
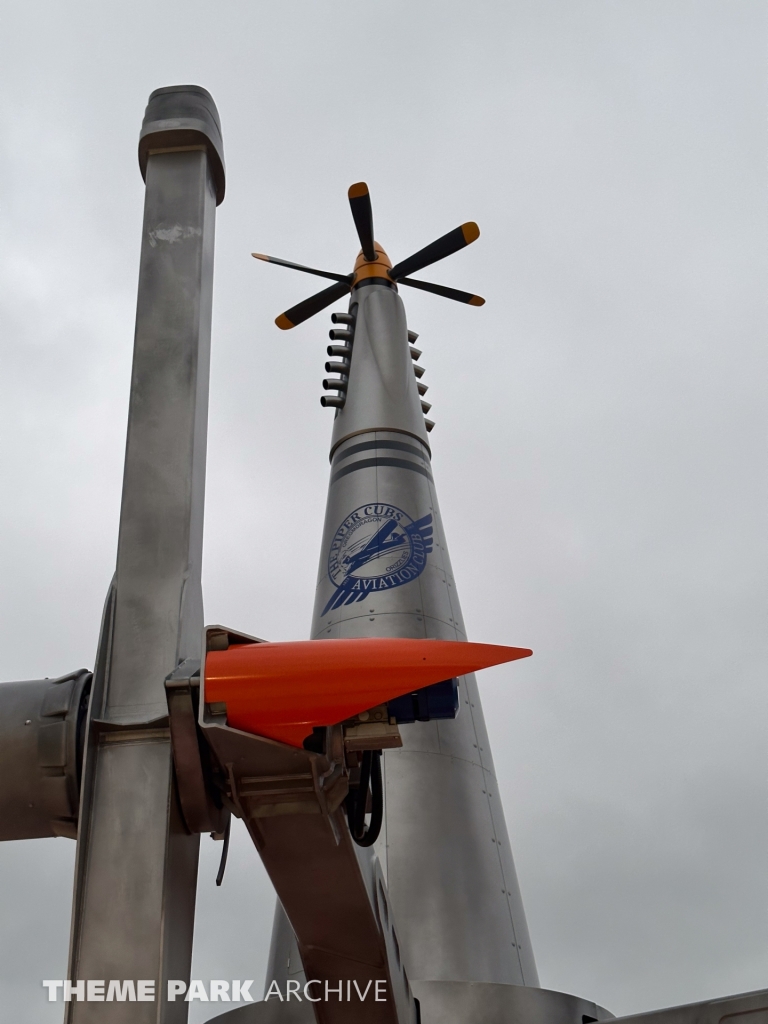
[(444, 849)]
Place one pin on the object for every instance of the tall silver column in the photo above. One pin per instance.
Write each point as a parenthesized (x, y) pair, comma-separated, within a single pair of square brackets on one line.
[(136, 870), (445, 851)]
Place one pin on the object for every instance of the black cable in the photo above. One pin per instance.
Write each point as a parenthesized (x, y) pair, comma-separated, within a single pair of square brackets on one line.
[(224, 851), (357, 801), (377, 803), (357, 825)]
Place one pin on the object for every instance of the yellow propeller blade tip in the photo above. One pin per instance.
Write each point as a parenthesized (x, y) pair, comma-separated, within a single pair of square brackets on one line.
[(476, 301), (259, 256), (283, 322), (358, 189), (471, 231)]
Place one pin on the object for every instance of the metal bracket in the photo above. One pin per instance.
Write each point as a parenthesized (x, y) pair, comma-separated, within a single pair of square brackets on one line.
[(199, 810)]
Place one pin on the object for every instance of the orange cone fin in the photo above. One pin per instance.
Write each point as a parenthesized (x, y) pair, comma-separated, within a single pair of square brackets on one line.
[(284, 690)]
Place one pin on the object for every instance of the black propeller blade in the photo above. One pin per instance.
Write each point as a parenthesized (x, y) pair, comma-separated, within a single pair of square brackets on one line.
[(362, 212), (298, 266), (360, 202), (304, 310), (447, 293), (438, 250)]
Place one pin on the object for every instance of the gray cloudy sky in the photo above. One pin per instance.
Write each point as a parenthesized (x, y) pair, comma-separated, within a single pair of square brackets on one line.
[(599, 448)]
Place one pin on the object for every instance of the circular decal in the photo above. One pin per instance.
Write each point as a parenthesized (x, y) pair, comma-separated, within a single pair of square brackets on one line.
[(377, 547)]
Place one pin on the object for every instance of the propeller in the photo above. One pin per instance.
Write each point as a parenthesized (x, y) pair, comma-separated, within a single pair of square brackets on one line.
[(362, 212), (445, 246), (314, 304), (373, 262), (299, 266), (440, 289)]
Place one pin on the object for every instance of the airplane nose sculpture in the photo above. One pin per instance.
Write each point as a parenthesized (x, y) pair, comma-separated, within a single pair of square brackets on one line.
[(385, 573)]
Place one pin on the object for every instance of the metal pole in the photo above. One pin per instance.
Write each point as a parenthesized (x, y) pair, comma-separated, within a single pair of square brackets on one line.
[(134, 898)]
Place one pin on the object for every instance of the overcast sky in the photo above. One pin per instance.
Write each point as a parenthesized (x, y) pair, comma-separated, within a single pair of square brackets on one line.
[(599, 449)]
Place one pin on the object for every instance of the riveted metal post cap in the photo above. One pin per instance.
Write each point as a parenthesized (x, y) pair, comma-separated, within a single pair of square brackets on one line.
[(181, 117)]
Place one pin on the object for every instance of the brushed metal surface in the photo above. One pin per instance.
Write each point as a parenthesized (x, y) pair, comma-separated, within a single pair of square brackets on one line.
[(284, 957), (136, 910), (183, 116), (382, 388), (444, 847), (454, 888), (41, 736), (447, 855), (462, 1003), (158, 614), (135, 874), (450, 1002), (270, 1012), (333, 891), (745, 1008)]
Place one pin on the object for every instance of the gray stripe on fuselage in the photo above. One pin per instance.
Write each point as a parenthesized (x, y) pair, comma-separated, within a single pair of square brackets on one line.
[(371, 463), (367, 446)]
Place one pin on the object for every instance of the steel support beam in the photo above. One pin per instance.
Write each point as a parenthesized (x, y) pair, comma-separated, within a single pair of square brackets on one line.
[(136, 870)]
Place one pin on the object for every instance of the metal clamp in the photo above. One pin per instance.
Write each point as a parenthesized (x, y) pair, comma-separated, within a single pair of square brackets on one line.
[(198, 807)]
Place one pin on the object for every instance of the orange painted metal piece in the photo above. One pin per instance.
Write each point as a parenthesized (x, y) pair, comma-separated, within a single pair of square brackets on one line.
[(283, 690)]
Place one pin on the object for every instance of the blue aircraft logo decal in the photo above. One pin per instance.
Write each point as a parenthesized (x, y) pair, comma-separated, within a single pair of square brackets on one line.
[(377, 547)]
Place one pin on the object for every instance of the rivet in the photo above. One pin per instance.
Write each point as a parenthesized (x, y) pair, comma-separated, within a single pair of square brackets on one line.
[(28, 722)]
